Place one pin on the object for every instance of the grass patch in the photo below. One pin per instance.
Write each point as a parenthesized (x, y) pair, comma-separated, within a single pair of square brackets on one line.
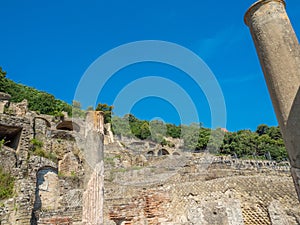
[(37, 149), (6, 184), (2, 143), (110, 160)]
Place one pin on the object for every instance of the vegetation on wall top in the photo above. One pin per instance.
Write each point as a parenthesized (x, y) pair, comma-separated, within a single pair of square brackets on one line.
[(37, 100)]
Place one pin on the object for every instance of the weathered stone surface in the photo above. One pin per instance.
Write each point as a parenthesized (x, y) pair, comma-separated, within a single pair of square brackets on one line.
[(4, 96), (109, 137), (3, 104), (38, 186), (228, 191), (277, 214), (138, 189), (69, 165), (56, 221), (93, 197), (279, 54), (47, 190)]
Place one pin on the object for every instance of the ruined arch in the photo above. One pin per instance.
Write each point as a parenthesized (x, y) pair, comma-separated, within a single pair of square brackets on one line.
[(48, 124), (45, 167), (162, 152), (47, 188), (68, 125), (40, 126), (150, 153)]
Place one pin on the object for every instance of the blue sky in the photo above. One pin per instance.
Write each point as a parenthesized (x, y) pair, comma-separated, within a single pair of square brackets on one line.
[(50, 44)]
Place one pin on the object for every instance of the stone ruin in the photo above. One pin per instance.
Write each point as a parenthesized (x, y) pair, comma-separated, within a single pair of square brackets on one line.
[(126, 184), (50, 181), (70, 181)]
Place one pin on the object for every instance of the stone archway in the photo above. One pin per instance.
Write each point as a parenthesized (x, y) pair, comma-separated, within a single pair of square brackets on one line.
[(40, 126), (163, 152), (47, 123), (68, 125), (150, 153), (47, 189)]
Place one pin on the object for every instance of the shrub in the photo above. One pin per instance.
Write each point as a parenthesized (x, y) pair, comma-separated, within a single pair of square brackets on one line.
[(6, 184), (36, 143), (39, 152), (2, 143), (37, 149)]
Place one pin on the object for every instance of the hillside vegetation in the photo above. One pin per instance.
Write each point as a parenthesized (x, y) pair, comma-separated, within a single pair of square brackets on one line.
[(37, 100), (264, 143)]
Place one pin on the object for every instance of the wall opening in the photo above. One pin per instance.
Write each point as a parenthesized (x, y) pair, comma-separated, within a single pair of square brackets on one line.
[(11, 136), (150, 153), (163, 152), (46, 193), (68, 125), (47, 189)]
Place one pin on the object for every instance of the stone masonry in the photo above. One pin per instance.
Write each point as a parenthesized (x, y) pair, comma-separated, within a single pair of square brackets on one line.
[(68, 183)]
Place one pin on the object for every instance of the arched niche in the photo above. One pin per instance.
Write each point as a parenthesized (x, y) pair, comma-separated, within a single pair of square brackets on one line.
[(150, 153), (68, 125), (40, 126), (162, 152), (47, 189)]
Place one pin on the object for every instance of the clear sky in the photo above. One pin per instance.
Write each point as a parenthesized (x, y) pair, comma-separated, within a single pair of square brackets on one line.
[(50, 44)]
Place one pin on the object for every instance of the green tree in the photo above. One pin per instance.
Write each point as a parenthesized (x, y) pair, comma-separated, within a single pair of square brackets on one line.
[(262, 129), (145, 131), (203, 139), (216, 139), (107, 110), (158, 130), (77, 112), (173, 131), (120, 126), (190, 136), (274, 133), (2, 73)]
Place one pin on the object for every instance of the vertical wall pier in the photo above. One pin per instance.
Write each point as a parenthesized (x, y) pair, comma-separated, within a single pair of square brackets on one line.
[(93, 196), (278, 50)]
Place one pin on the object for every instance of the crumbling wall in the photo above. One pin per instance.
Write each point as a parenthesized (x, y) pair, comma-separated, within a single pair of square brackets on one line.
[(162, 190), (24, 133), (228, 191), (39, 185), (47, 189)]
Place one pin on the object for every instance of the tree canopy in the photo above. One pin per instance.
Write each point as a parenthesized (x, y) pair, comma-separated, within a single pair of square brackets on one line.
[(264, 143)]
